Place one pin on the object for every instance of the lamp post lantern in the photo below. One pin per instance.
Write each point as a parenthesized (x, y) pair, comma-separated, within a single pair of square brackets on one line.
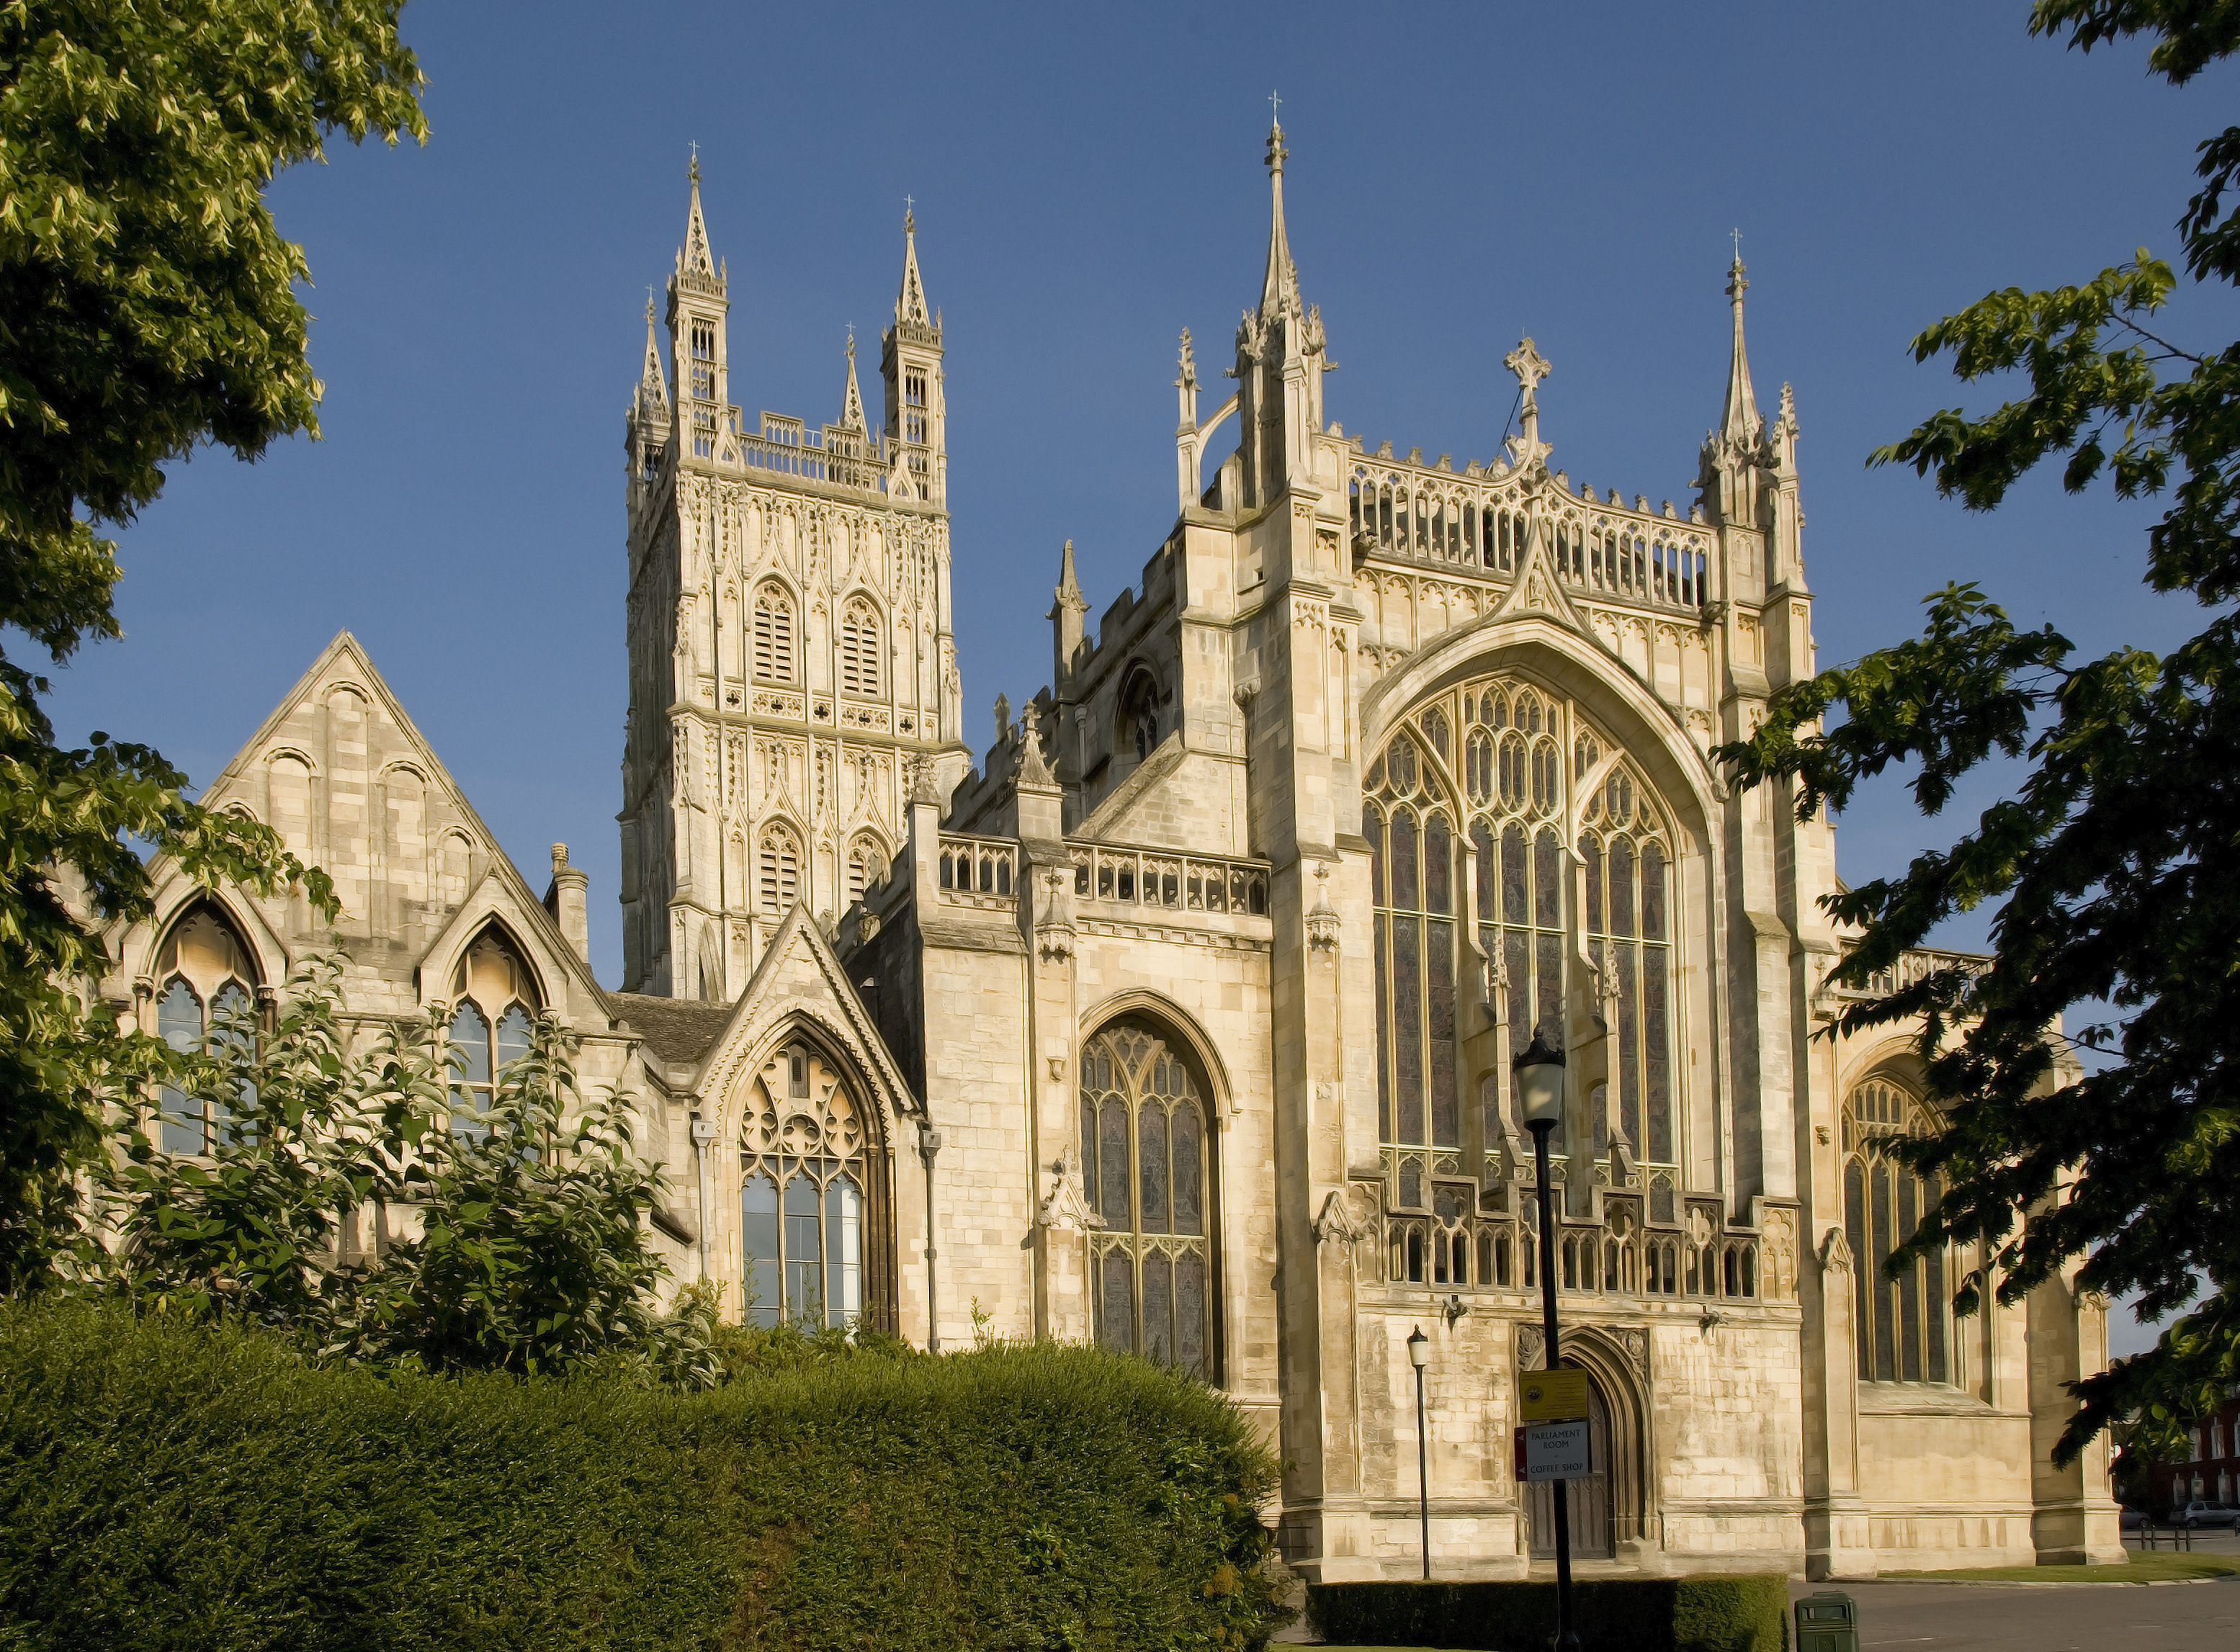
[(1539, 1073), (1419, 1355)]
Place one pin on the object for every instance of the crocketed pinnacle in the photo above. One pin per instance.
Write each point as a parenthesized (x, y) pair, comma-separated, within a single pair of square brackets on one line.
[(910, 303), (851, 400), (1740, 422), (1068, 588), (652, 385), (1279, 289), (693, 257)]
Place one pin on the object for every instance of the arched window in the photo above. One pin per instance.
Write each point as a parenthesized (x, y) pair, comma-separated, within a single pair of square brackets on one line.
[(1901, 1326), (1139, 714), (1519, 753), (802, 1184), (1145, 1165), (867, 867), (859, 648), (205, 999), (777, 869), (773, 641), (496, 1009)]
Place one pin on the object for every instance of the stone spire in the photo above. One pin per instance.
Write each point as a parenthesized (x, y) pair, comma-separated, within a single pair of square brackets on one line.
[(1068, 617), (1279, 289), (652, 383), (851, 400), (693, 258), (1740, 422), (910, 302)]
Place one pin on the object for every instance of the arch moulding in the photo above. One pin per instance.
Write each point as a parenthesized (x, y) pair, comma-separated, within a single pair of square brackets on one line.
[(1638, 720), (1157, 1006)]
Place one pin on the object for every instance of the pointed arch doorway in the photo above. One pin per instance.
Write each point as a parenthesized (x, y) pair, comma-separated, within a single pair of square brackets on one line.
[(1589, 1498)]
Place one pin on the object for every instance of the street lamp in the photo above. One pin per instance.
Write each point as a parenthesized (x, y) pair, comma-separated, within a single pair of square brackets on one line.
[(1539, 1073), (1419, 1355)]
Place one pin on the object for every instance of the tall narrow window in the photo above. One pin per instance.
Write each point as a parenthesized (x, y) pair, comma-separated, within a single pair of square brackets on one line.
[(1629, 926), (804, 1173), (777, 869), (1145, 1167), (207, 1001), (773, 643), (493, 1016), (859, 648), (867, 867), (1904, 1326)]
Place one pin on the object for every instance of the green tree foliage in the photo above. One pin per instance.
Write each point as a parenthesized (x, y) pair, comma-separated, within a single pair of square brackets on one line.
[(2114, 857), (148, 305), (338, 1202)]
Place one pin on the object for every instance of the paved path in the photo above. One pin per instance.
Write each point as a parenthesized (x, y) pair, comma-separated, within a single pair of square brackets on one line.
[(1998, 1617)]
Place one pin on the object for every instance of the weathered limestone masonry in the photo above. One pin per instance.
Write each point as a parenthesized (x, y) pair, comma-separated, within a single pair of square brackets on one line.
[(790, 643), (1183, 1022)]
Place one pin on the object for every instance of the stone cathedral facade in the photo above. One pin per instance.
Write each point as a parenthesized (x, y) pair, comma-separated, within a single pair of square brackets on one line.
[(1180, 1018)]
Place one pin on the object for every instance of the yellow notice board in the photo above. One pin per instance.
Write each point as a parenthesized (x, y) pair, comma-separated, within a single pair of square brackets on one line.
[(1553, 1396)]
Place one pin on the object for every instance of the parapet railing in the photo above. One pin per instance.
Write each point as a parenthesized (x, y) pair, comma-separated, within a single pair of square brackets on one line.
[(1163, 879)]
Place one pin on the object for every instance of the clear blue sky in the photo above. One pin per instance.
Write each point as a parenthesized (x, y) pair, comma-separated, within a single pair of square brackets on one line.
[(1087, 184)]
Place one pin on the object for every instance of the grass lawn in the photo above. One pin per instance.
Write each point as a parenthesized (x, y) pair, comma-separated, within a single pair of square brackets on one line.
[(2157, 1566)]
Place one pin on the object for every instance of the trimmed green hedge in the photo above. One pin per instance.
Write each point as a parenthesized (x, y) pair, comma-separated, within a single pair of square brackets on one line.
[(166, 1487), (1714, 1613)]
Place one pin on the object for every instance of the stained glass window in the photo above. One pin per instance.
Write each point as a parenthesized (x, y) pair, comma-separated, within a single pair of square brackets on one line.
[(1902, 1327), (207, 1001), (802, 1173), (1144, 1167), (1519, 755), (491, 1026)]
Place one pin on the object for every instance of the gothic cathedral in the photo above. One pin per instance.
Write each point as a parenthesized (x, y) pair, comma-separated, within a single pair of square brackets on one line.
[(1181, 1019)]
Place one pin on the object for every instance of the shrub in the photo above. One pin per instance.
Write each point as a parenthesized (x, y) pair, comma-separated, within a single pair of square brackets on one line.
[(1714, 1613), (168, 1484)]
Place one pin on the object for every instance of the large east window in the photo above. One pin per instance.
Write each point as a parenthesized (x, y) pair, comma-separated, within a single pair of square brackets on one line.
[(1467, 812), (1146, 1170), (801, 1182)]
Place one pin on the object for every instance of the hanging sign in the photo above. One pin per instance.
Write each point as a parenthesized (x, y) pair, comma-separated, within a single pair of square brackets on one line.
[(1554, 1451), (1552, 1396)]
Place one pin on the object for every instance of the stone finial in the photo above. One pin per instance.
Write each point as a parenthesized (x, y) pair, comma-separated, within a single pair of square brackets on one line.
[(1002, 718), (1188, 380)]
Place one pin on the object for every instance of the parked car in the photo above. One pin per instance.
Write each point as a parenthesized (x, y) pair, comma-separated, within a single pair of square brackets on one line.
[(2197, 1515), (2132, 1519)]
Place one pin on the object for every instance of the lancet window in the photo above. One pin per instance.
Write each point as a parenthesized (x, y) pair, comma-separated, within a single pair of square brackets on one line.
[(777, 869), (802, 1184), (773, 640), (205, 1000), (1147, 1171), (494, 1012), (1628, 925), (1902, 1327), (867, 867), (859, 648)]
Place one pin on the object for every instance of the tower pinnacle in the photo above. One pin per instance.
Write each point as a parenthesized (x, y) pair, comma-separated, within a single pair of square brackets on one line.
[(851, 400), (910, 302), (1280, 287), (1740, 422)]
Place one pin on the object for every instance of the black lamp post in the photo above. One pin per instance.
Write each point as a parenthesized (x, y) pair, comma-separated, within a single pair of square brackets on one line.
[(1419, 1355), (1539, 1073)]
